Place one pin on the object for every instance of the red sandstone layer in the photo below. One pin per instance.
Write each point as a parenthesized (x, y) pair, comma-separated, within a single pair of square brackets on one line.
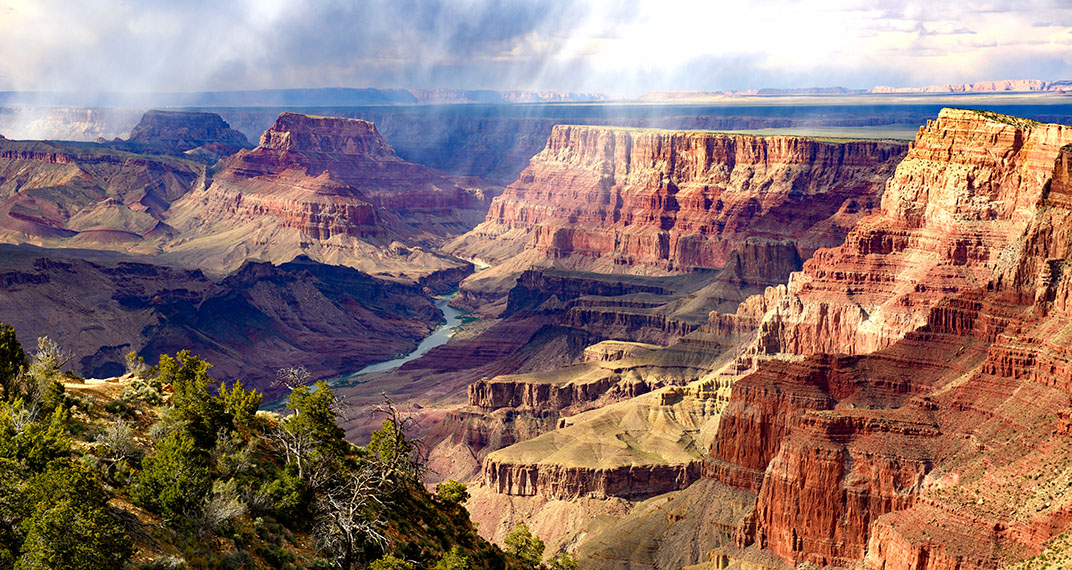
[(965, 192), (679, 201), (331, 188), (944, 448)]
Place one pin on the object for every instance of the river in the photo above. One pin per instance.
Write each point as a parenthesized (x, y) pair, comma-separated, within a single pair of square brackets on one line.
[(440, 336)]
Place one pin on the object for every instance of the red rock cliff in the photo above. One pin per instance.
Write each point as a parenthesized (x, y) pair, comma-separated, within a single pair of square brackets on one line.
[(610, 197), (327, 176), (965, 192), (325, 186), (943, 448)]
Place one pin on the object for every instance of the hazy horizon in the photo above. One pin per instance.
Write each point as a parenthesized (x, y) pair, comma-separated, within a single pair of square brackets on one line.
[(621, 49)]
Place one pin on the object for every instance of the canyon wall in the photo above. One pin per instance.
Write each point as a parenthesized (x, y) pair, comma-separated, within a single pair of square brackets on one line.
[(620, 200), (680, 201), (950, 215), (731, 214), (934, 446)]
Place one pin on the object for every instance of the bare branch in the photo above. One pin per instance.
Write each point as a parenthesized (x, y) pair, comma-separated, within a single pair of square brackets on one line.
[(351, 516), (397, 450), (292, 377)]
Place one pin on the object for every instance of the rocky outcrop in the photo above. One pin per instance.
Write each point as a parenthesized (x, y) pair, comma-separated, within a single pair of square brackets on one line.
[(950, 215), (333, 189), (536, 392), (630, 449), (557, 482), (330, 319), (536, 288), (612, 350), (200, 135)]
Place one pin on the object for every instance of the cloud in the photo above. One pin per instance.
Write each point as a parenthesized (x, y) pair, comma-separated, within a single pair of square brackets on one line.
[(611, 46)]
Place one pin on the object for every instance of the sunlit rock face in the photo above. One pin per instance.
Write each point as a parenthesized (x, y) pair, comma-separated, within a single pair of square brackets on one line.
[(950, 216), (680, 201), (335, 190), (644, 201), (933, 447)]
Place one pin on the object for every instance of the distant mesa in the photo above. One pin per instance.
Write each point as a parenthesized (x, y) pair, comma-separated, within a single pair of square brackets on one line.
[(333, 189), (183, 131), (1002, 86)]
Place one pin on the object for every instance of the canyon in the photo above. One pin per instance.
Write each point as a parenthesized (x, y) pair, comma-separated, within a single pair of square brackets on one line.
[(773, 201), (898, 404), (685, 348), (640, 201), (176, 217), (82, 195), (255, 321)]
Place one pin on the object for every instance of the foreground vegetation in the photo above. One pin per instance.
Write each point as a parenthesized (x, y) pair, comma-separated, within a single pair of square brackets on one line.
[(156, 471)]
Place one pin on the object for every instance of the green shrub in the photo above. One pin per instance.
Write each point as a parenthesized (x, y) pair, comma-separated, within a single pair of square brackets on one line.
[(240, 404), (455, 559), (174, 481), (452, 492), (563, 561), (527, 547), (202, 412), (33, 443), (390, 562), (12, 358), (70, 528)]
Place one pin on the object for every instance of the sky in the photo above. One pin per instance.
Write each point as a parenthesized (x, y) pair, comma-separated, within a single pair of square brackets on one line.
[(618, 47)]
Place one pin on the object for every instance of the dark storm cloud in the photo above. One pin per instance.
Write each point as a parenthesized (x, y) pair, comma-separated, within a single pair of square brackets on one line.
[(604, 45)]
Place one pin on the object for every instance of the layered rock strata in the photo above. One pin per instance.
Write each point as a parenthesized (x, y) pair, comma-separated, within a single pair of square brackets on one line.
[(334, 189), (88, 195), (621, 200), (680, 201), (729, 197), (496, 142), (194, 134), (633, 449), (938, 449), (938, 445), (950, 215)]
